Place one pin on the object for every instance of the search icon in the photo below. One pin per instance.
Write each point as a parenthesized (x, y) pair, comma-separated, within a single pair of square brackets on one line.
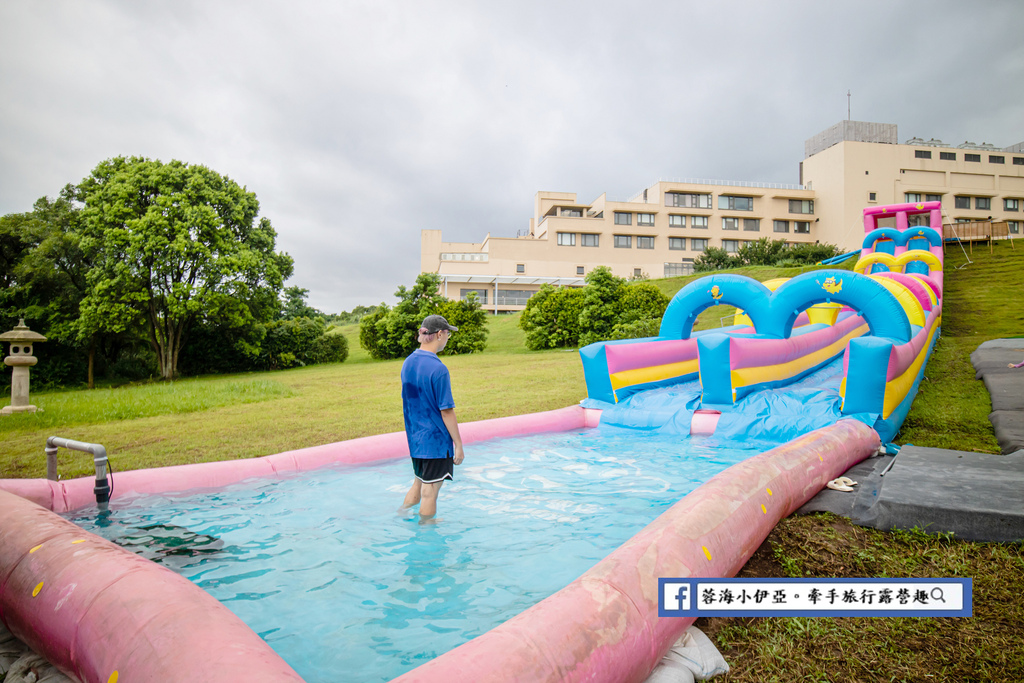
[(940, 595)]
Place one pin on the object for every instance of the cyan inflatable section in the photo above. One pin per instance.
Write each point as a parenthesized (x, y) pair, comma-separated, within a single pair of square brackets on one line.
[(774, 313), (694, 298)]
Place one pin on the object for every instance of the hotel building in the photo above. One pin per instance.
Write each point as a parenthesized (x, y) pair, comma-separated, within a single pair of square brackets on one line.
[(663, 228)]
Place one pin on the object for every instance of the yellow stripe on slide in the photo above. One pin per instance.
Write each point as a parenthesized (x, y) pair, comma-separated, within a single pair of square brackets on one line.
[(897, 389), (745, 377), (655, 373)]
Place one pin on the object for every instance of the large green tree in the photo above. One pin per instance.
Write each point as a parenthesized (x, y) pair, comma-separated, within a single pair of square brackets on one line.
[(174, 244)]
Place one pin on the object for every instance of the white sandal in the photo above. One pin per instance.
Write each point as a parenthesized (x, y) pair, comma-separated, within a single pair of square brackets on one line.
[(838, 485)]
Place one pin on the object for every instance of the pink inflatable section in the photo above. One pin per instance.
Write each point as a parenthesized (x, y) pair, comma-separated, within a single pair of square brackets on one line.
[(64, 496), (102, 614)]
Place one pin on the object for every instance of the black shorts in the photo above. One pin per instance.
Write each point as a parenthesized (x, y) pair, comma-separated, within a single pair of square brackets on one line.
[(433, 470)]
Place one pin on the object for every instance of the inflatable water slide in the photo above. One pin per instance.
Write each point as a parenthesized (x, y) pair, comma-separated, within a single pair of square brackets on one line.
[(827, 363), (882, 318)]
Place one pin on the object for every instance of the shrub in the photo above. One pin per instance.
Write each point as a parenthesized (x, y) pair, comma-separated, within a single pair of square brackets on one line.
[(810, 254), (762, 252), (641, 300), (642, 327), (551, 318), (471, 320), (392, 332), (715, 258), (602, 305)]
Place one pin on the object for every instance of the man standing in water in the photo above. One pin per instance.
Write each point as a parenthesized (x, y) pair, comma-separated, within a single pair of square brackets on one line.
[(435, 444)]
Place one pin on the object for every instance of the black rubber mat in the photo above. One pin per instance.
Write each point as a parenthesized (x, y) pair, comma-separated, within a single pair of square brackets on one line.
[(1006, 387), (974, 496)]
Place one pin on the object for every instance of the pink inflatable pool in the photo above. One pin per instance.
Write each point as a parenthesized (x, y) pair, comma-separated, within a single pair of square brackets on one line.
[(102, 614)]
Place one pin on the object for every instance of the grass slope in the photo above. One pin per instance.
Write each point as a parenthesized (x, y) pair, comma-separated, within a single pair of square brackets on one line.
[(951, 410)]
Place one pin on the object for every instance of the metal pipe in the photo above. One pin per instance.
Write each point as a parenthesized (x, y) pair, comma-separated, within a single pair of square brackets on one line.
[(51, 463), (99, 458)]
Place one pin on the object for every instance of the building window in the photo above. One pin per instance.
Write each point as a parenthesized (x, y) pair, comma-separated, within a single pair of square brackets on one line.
[(1011, 205), (996, 159), (687, 200), (623, 218), (513, 297), (972, 157), (699, 222), (676, 221), (638, 272), (520, 267), (947, 156), (645, 219), (964, 220), (982, 203), (623, 241), (731, 246), (1013, 226), (481, 294), (912, 197), (730, 203), (697, 244), (801, 206), (730, 224), (1018, 161), (678, 269), (933, 197), (802, 227), (571, 213), (456, 256), (567, 239), (780, 226), (872, 196), (752, 224), (922, 154), (644, 242), (590, 239), (580, 270), (962, 202), (677, 243)]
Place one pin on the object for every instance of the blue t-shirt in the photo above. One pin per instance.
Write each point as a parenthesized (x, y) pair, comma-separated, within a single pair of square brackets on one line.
[(426, 391)]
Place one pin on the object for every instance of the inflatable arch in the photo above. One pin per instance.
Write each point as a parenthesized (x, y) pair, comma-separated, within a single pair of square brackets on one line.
[(904, 238), (774, 313), (899, 263), (690, 301)]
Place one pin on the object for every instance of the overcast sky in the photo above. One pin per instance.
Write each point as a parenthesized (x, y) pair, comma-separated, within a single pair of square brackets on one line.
[(358, 124)]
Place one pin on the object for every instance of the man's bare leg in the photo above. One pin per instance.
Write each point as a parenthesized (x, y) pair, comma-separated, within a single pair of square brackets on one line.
[(428, 505), (413, 496)]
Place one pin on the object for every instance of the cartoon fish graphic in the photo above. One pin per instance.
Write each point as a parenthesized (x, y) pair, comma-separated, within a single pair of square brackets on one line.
[(831, 286), (716, 293)]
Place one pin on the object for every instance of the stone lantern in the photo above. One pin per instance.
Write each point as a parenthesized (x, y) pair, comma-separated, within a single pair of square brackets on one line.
[(21, 359)]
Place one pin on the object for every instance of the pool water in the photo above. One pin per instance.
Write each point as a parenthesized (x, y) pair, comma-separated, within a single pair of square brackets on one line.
[(339, 583)]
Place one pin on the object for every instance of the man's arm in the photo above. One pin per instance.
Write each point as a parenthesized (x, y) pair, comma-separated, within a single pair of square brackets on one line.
[(452, 424)]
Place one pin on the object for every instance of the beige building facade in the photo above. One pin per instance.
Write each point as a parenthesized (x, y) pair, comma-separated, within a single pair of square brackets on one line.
[(856, 164), (663, 228)]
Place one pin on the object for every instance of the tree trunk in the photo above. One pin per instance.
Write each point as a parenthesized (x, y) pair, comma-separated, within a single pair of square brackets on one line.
[(92, 361)]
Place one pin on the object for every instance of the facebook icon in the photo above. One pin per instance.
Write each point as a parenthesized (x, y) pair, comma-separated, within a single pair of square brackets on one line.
[(675, 597)]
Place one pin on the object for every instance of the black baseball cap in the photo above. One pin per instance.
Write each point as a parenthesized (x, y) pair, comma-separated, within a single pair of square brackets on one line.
[(436, 323)]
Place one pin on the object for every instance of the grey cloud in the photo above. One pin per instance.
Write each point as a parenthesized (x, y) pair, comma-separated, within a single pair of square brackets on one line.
[(358, 124)]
